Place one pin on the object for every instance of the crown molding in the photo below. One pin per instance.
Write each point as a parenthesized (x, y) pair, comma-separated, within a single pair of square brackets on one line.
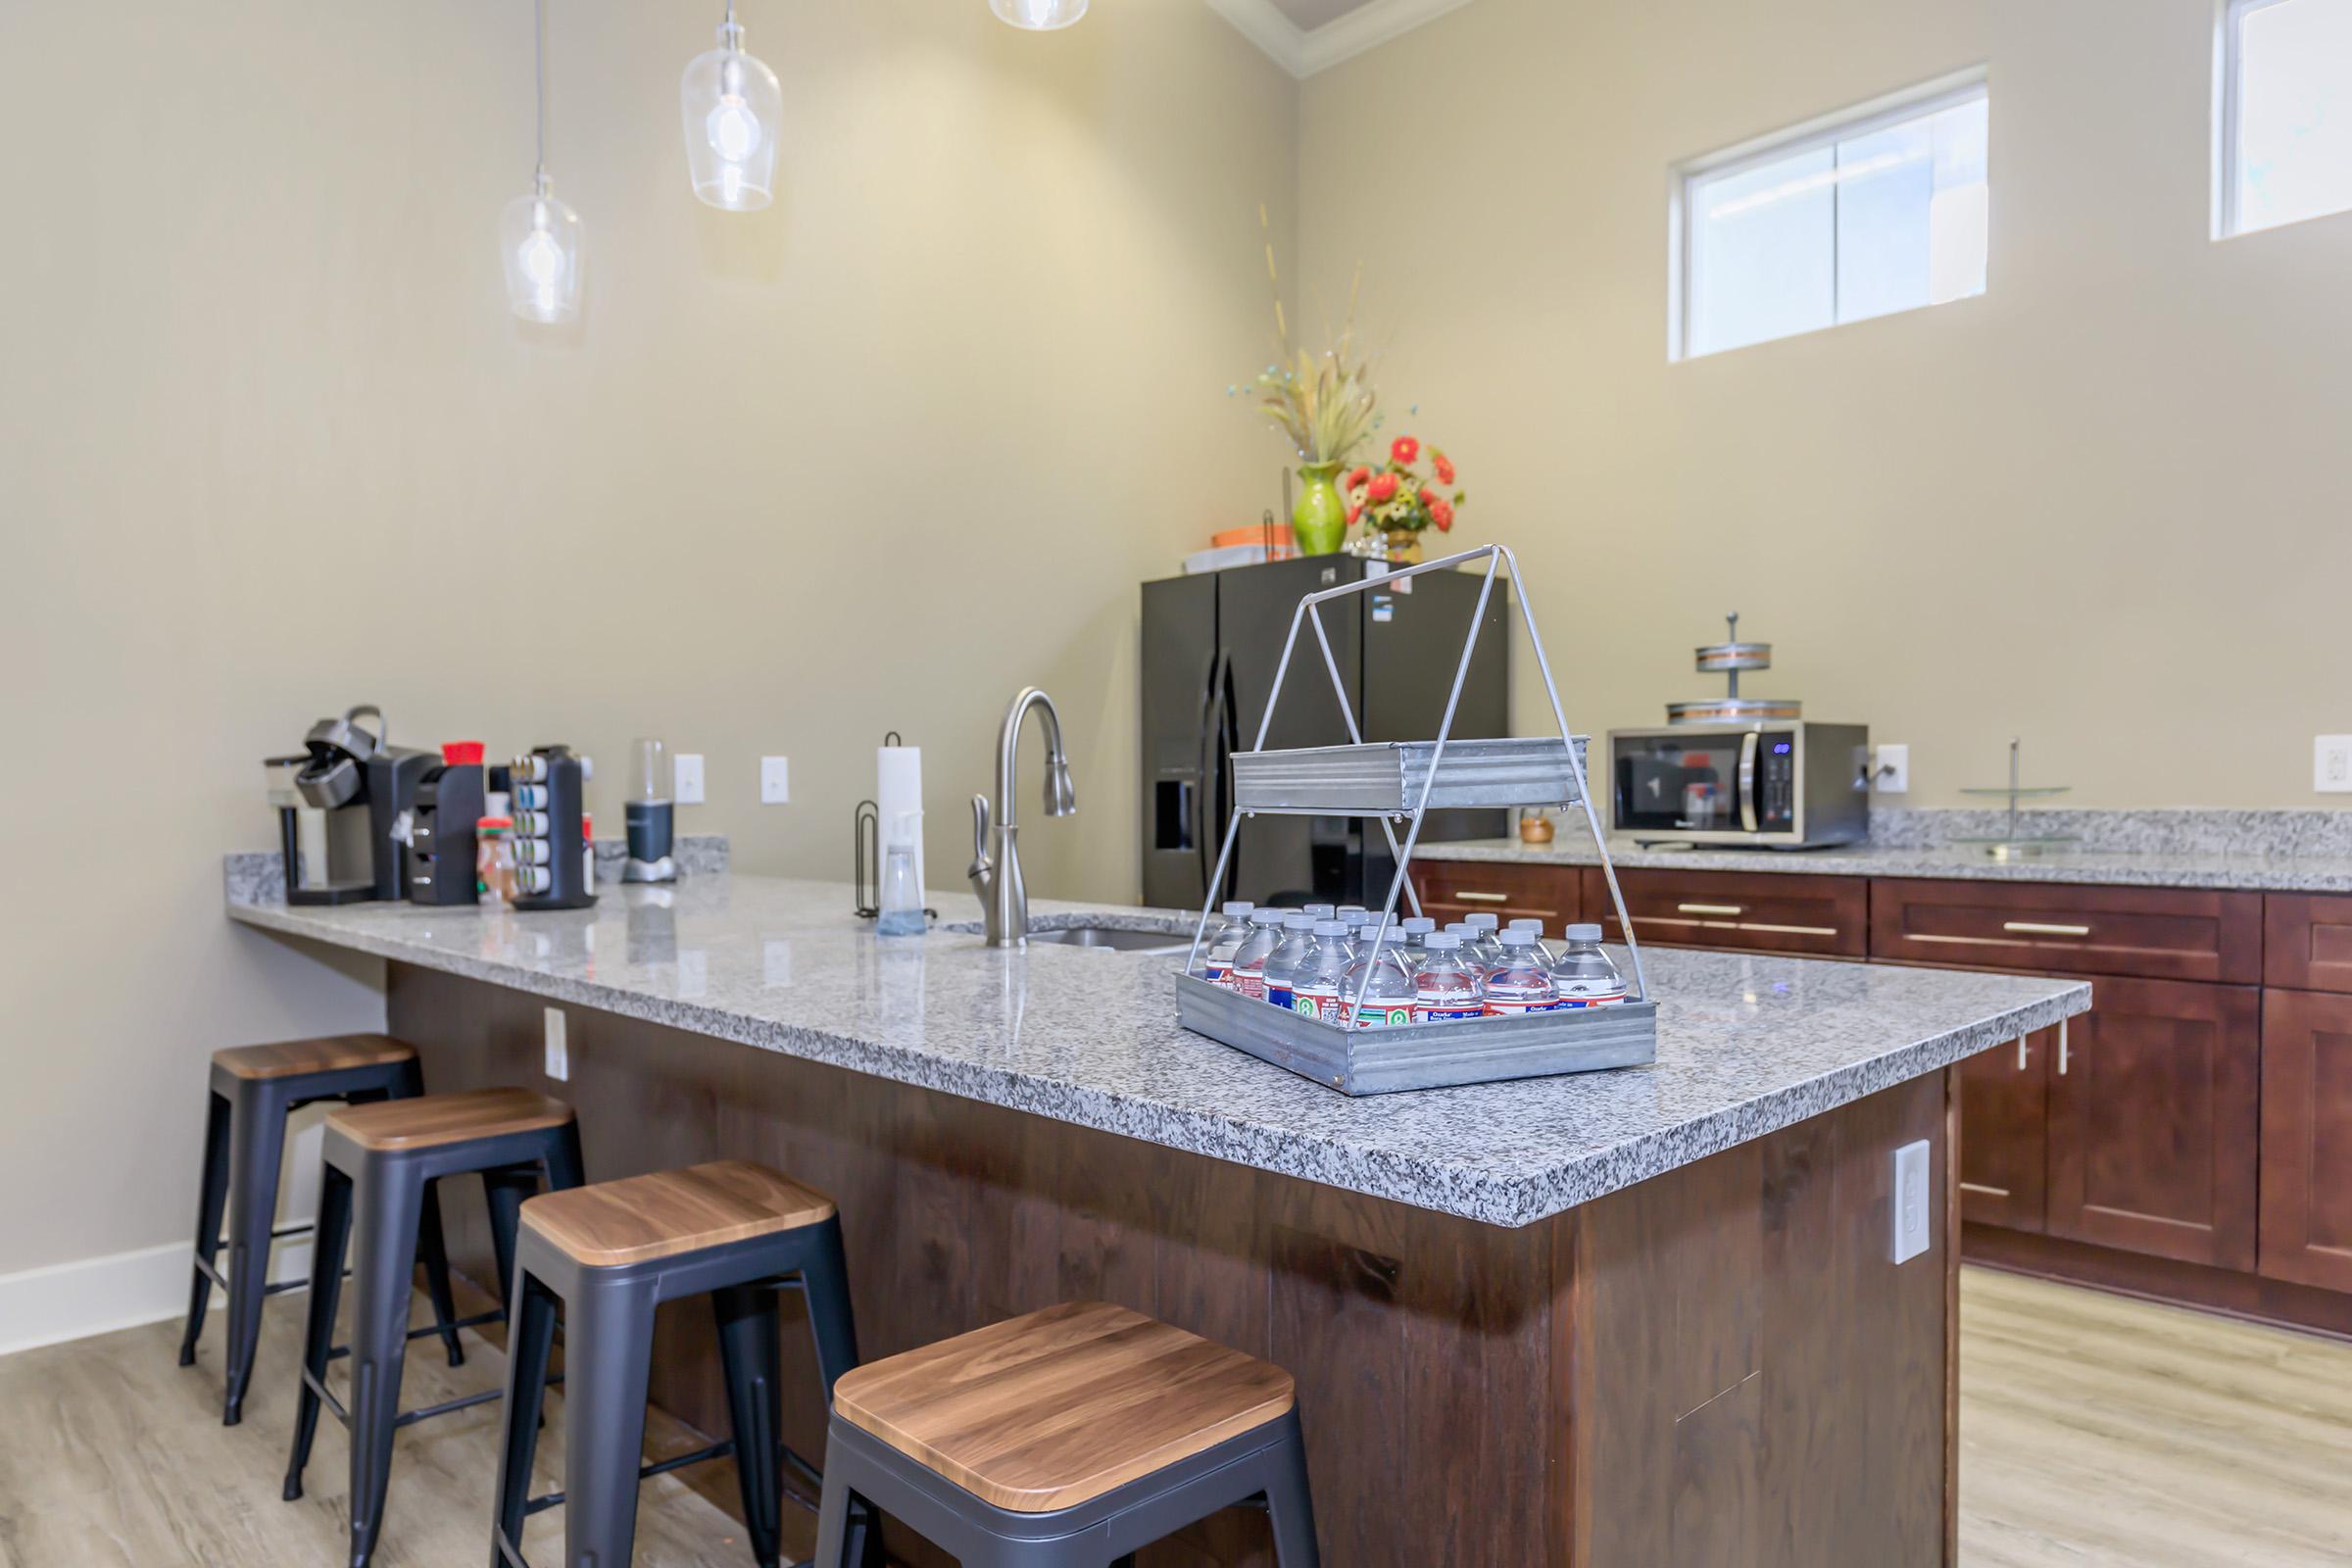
[(1303, 53)]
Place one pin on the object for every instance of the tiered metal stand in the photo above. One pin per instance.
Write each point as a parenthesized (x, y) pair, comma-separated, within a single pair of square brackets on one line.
[(1404, 782)]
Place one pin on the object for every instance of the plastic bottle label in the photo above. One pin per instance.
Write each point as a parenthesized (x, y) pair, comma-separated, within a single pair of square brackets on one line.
[(1317, 1003), (1278, 992), (1251, 983), (1217, 973), (1514, 1007), (1383, 1014), (1605, 1001), (1435, 1014)]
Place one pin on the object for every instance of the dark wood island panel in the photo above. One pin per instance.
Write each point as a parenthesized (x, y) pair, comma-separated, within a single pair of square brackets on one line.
[(1720, 1365)]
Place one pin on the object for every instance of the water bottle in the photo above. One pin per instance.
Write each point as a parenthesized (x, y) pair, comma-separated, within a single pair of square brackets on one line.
[(1224, 941), (1412, 945), (1534, 928), (1249, 974), (1474, 952), (901, 907), (1520, 983), (1285, 961), (1446, 987), (1316, 988), (1583, 975), (1320, 912), (1490, 950), (1387, 984)]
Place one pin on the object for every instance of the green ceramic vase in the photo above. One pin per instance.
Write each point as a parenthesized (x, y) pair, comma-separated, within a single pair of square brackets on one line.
[(1319, 522)]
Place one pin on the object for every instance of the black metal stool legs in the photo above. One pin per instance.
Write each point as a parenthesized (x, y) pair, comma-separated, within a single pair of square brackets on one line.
[(751, 1350), (385, 1217), (211, 1199), (607, 1353), (531, 1334), (257, 1136), (327, 1244)]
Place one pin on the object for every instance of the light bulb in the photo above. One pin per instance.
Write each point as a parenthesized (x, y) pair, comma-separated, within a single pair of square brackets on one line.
[(732, 106), (542, 238), (1038, 16)]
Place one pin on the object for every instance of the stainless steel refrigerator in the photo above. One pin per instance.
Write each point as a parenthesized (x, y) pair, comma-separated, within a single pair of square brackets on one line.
[(1211, 644)]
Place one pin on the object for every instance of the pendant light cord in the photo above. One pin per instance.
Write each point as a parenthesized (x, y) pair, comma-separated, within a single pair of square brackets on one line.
[(539, 71)]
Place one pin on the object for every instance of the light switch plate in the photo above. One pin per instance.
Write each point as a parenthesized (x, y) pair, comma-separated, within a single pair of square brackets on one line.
[(559, 1058), (775, 781), (1913, 1203), (1890, 772), (686, 782), (2331, 764)]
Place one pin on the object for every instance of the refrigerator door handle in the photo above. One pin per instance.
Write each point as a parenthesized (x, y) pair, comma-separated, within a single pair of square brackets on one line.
[(1206, 820)]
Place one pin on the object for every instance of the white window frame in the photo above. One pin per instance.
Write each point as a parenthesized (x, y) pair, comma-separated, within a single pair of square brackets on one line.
[(1823, 131), (2227, 16)]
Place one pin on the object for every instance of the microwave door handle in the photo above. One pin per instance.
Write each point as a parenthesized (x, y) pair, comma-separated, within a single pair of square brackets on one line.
[(1748, 780)]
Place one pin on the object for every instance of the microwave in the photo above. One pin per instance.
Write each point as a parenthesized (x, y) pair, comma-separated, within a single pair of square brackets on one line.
[(1788, 784)]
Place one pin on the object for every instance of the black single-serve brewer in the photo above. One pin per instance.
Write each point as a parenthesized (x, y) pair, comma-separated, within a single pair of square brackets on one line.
[(437, 839), (552, 865), (361, 785)]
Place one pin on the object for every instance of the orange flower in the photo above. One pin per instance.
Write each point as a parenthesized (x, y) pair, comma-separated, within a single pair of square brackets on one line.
[(1357, 476), (1444, 464), (1427, 497), (1355, 514), (1381, 488), (1404, 449), (1442, 516)]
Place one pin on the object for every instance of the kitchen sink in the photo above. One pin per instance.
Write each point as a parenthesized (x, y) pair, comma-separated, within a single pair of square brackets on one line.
[(1112, 939)]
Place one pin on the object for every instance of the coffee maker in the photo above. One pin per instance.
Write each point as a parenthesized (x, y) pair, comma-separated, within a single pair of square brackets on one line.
[(362, 785)]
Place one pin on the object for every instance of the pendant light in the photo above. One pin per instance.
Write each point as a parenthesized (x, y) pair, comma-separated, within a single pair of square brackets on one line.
[(1038, 16), (538, 235), (733, 108)]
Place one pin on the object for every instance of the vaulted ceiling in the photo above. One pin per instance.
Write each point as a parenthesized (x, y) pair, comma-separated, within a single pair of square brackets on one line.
[(1304, 37)]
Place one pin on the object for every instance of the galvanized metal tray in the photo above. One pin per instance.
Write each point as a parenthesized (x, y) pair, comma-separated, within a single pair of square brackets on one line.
[(1386, 778), (1421, 1055)]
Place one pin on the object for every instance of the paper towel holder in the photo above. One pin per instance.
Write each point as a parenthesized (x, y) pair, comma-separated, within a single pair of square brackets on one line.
[(865, 852)]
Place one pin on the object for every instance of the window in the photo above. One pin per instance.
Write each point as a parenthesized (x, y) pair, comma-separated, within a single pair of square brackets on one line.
[(2285, 80), (1880, 209)]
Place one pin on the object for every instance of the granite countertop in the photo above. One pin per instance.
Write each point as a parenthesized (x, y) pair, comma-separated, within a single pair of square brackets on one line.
[(2159, 866), (1746, 1045)]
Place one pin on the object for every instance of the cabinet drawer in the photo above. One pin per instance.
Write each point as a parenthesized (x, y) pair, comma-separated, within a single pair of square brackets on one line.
[(2160, 934), (1748, 912), (1513, 891), (2307, 942)]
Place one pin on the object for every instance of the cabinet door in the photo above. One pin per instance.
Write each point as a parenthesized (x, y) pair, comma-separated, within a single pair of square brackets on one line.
[(1508, 890), (2154, 1105), (2307, 1139), (2004, 1133)]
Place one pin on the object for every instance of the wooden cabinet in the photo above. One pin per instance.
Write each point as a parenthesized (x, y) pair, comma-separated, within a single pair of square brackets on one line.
[(2004, 1133), (2155, 933), (2306, 1137), (2154, 1108), (1513, 890), (1748, 912), (2307, 942)]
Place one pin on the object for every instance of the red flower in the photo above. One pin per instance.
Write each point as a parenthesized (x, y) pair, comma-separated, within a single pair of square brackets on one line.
[(1442, 516), (1355, 514), (1381, 488), (1356, 477), (1427, 498), (1404, 449), (1445, 467)]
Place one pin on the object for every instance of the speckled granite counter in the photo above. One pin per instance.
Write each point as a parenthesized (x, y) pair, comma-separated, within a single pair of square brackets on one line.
[(1746, 1045), (2155, 867)]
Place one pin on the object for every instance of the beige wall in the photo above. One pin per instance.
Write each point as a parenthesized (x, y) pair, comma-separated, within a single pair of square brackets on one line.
[(2104, 507), (269, 444)]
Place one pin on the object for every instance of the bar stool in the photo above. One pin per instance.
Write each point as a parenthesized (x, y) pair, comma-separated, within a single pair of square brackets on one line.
[(379, 1161), (611, 1253), (1070, 1438), (252, 1090)]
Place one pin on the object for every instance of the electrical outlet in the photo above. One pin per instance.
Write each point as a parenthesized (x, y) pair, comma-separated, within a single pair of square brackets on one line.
[(2331, 764), (775, 781), (1890, 769), (686, 778), (1912, 1201), (559, 1058)]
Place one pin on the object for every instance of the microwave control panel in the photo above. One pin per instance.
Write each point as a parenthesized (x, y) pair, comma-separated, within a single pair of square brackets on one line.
[(1776, 783)]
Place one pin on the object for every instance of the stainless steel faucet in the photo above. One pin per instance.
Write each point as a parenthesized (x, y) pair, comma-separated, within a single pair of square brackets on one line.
[(997, 863)]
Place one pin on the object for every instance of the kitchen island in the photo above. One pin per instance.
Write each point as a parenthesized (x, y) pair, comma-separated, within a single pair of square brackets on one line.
[(1633, 1317)]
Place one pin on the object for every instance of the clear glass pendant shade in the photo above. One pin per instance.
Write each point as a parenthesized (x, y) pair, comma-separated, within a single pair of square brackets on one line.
[(1038, 16), (540, 239), (733, 108)]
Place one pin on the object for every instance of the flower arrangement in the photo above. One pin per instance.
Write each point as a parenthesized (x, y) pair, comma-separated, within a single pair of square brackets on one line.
[(1398, 498), (1323, 402)]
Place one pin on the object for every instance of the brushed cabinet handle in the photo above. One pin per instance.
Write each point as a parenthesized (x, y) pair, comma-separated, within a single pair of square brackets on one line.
[(2021, 1048), (2062, 1047), (1989, 1192), (1728, 910), (1468, 896), (2044, 928)]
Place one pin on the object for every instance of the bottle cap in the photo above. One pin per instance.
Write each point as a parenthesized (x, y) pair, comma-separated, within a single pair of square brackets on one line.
[(1444, 941), (1581, 933), (1235, 909), (1321, 912), (1298, 922), (1457, 927), (1331, 928), (1515, 937), (1529, 924), (1265, 917), (461, 754), (1347, 910), (494, 825), (1419, 925), (1483, 922)]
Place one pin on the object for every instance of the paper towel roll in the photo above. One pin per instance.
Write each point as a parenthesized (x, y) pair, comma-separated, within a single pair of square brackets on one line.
[(899, 787)]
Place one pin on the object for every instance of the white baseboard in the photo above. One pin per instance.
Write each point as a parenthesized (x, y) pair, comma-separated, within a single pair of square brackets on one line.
[(100, 1294)]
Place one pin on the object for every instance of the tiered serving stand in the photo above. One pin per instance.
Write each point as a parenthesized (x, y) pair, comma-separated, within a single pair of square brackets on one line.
[(1404, 782)]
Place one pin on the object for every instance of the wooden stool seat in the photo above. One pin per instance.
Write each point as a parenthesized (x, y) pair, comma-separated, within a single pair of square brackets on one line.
[(331, 1054), (1043, 1412), (430, 1120), (639, 1218)]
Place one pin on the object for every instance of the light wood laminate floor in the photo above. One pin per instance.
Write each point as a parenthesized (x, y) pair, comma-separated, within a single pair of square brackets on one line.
[(2095, 1433)]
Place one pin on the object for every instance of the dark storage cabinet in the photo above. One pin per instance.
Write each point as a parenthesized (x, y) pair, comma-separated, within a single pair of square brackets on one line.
[(2004, 1144), (2307, 1139)]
